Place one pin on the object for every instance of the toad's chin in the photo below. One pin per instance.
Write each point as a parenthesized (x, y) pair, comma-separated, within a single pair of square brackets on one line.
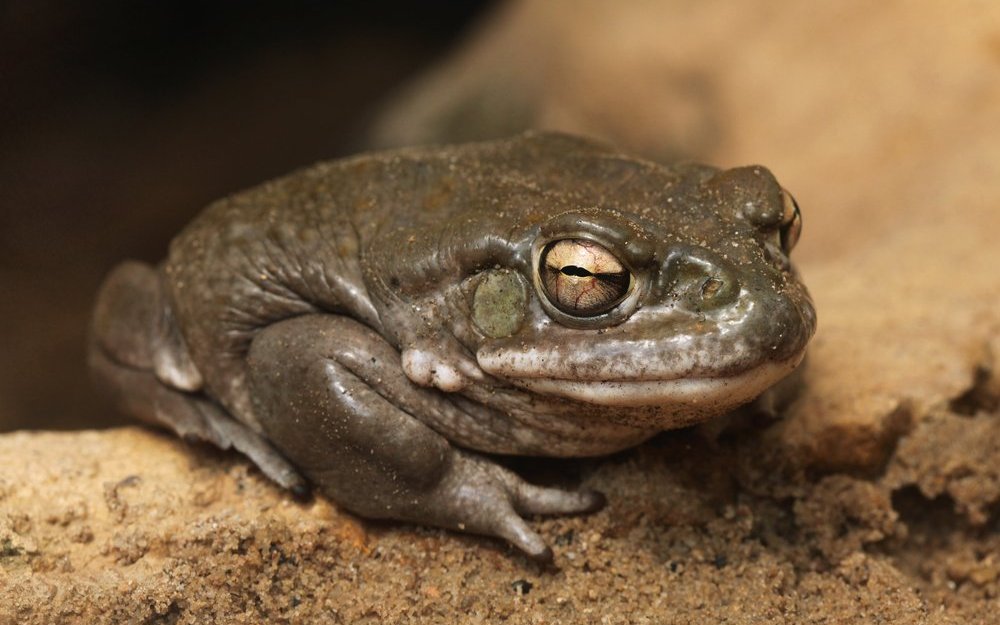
[(704, 394)]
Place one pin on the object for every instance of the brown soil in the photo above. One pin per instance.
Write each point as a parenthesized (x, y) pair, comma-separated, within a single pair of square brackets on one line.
[(129, 526), (876, 499)]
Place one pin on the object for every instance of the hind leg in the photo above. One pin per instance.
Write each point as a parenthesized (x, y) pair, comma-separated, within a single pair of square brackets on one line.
[(332, 395), (130, 355)]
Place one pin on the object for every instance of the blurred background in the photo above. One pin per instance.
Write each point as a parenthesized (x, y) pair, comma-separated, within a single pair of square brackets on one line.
[(119, 120)]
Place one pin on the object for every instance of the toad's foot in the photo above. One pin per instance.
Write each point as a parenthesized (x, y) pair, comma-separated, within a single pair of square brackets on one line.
[(477, 495)]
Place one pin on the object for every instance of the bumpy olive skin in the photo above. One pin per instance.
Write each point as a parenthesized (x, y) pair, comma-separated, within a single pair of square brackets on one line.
[(375, 324)]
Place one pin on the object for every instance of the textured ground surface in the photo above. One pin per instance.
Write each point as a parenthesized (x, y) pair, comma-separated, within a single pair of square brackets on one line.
[(877, 499)]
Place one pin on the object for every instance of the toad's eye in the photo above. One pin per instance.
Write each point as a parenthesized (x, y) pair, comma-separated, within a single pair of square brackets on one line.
[(791, 222), (582, 278)]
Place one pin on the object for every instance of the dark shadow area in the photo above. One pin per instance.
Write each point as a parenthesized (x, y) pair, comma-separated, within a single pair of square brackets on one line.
[(120, 120), (982, 396)]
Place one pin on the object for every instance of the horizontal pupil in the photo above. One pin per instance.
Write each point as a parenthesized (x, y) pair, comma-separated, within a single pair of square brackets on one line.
[(573, 270), (580, 272), (618, 281)]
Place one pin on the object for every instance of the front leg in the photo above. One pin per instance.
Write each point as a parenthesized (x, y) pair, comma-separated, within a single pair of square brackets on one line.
[(331, 394)]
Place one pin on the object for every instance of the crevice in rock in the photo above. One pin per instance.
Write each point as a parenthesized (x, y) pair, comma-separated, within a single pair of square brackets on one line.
[(983, 395), (170, 616), (941, 549), (928, 515)]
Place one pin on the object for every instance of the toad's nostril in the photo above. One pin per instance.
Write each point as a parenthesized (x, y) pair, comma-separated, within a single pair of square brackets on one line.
[(710, 288)]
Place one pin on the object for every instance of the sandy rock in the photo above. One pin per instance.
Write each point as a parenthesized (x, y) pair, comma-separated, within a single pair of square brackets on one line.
[(954, 455), (905, 324), (130, 526)]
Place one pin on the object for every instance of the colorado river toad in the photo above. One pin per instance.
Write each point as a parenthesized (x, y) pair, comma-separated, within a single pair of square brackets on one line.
[(378, 325)]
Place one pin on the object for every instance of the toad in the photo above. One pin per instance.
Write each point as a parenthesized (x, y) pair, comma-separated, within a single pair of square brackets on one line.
[(381, 326)]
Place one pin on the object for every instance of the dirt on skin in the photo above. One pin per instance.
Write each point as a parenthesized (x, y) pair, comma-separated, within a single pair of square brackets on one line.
[(876, 499)]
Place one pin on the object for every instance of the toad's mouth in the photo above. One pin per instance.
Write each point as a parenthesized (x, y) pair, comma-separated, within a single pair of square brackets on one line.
[(703, 394)]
